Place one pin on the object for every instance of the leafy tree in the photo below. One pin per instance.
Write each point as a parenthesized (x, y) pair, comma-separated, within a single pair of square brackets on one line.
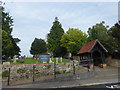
[(100, 32), (73, 40), (9, 44), (54, 37), (6, 43), (7, 22), (114, 32), (38, 46)]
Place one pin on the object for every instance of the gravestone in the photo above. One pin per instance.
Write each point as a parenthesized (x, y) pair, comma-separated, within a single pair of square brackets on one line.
[(14, 59), (56, 60), (50, 61), (22, 59), (44, 58), (61, 59)]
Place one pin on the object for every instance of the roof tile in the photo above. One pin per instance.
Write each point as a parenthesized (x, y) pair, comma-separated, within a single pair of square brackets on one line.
[(87, 47)]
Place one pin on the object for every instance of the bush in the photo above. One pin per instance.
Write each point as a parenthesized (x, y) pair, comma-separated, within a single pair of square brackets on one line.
[(57, 72), (49, 66), (21, 71), (5, 73)]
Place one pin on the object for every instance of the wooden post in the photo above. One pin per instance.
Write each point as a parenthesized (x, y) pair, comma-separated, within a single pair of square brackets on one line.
[(73, 68), (54, 69), (88, 62), (33, 73), (102, 59), (8, 77), (92, 62)]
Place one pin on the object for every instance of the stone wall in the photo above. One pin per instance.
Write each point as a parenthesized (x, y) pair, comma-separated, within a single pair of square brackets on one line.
[(25, 71), (113, 62)]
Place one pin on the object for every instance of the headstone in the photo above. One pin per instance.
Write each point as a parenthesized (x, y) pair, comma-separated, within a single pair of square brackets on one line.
[(56, 60), (22, 59), (61, 59), (50, 61), (14, 59)]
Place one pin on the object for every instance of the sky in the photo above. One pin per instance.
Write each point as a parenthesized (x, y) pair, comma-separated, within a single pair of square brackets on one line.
[(34, 19)]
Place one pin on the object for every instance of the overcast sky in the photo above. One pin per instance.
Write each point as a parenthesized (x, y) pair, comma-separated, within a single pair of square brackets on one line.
[(34, 19)]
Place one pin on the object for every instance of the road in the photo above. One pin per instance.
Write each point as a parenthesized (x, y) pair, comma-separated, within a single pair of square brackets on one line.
[(87, 83), (110, 86)]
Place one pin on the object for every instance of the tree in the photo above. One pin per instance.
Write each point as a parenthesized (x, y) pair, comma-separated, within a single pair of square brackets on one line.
[(7, 22), (100, 32), (38, 46), (54, 37), (9, 44), (114, 32), (73, 40)]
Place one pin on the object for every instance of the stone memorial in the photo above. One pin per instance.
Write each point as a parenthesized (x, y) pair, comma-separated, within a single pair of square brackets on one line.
[(14, 59), (22, 59), (56, 60), (61, 59), (50, 61)]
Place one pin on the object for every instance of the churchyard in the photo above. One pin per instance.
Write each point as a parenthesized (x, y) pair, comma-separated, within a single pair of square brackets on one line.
[(30, 60), (33, 70)]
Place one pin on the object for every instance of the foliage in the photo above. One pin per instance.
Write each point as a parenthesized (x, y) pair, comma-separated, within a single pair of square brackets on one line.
[(9, 46), (115, 33), (73, 40), (54, 37), (48, 66), (100, 32), (21, 70), (7, 22), (38, 47), (5, 73)]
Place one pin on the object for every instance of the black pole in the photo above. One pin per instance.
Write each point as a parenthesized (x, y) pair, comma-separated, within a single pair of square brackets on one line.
[(54, 69), (8, 77), (33, 73), (73, 68)]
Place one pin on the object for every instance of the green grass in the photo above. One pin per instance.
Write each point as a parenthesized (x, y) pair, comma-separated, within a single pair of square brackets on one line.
[(28, 61), (35, 61), (59, 61)]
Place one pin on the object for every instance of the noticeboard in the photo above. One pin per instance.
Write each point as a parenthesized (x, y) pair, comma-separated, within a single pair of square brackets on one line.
[(44, 58)]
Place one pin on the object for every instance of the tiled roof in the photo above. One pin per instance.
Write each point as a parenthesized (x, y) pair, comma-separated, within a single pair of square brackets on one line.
[(87, 47)]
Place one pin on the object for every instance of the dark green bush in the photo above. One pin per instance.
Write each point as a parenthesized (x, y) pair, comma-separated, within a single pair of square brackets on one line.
[(5, 73), (49, 66), (58, 72)]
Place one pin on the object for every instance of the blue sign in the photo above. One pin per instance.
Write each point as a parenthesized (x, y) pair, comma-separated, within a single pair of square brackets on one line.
[(44, 58)]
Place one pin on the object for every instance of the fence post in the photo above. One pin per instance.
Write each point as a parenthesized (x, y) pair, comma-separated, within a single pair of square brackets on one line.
[(33, 73), (73, 68), (8, 77), (54, 69)]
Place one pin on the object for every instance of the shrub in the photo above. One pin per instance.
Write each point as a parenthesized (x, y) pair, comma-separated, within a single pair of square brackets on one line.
[(49, 66), (5, 73), (58, 72), (21, 71)]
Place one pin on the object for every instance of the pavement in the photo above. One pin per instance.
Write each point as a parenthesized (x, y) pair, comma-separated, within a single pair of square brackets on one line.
[(98, 76)]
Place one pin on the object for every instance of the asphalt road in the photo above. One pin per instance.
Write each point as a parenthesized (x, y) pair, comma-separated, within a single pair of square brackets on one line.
[(110, 86)]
